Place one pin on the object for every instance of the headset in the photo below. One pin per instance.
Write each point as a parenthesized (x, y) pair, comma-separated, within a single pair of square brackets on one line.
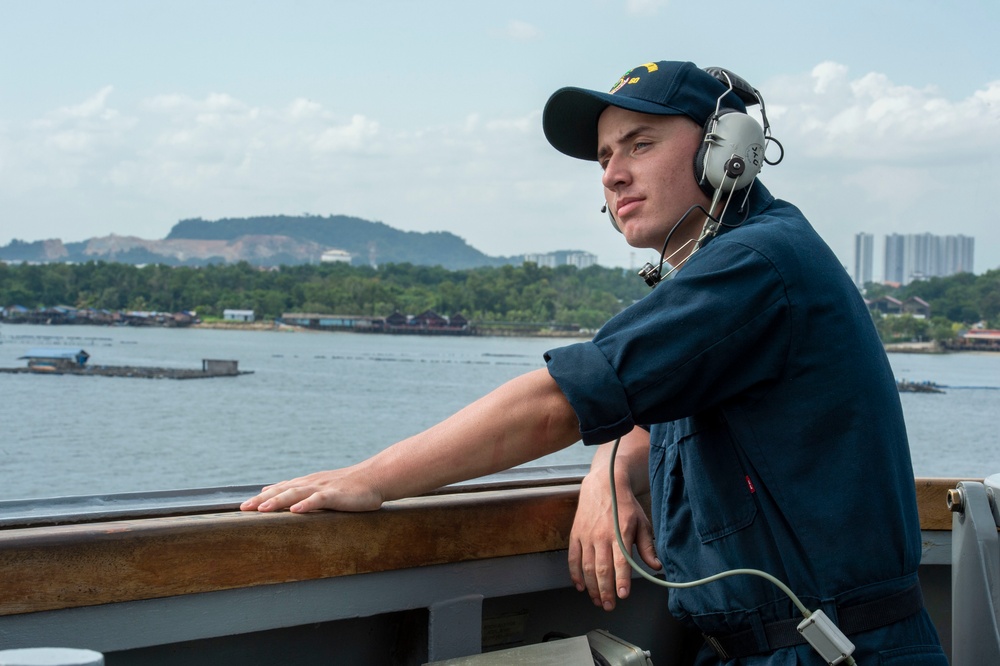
[(732, 149)]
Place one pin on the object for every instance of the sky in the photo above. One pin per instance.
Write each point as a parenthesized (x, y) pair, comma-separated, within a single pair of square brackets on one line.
[(126, 116)]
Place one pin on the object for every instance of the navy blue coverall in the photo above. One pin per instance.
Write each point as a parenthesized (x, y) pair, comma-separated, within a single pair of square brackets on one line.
[(777, 439)]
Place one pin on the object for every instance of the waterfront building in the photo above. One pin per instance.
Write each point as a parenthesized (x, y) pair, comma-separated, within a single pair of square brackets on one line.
[(976, 339), (238, 315), (914, 306)]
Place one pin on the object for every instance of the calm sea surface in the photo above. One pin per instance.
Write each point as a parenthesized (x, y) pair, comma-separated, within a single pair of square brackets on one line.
[(321, 400)]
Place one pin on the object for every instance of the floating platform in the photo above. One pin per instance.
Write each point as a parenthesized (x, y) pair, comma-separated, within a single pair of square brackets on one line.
[(209, 368)]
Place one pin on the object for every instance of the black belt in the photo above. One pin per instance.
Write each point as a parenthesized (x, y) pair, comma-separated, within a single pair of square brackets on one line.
[(850, 619)]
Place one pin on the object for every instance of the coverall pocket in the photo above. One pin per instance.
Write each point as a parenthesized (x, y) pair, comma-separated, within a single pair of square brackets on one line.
[(720, 491)]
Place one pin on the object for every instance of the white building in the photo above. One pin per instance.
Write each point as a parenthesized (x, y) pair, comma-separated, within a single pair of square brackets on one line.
[(238, 315), (581, 259), (562, 258), (543, 260), (335, 255)]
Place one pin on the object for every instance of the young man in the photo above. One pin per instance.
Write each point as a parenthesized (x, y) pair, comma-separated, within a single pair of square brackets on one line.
[(751, 392)]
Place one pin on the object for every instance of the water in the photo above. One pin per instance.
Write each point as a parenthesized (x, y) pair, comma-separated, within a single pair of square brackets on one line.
[(314, 400), (322, 400), (952, 434)]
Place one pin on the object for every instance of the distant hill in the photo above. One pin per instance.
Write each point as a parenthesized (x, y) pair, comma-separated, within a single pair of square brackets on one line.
[(363, 239), (266, 241)]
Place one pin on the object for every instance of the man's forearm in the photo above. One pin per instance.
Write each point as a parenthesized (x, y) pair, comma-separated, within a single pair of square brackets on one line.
[(522, 420)]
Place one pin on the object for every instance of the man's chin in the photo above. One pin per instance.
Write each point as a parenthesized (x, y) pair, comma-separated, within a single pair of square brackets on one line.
[(638, 242)]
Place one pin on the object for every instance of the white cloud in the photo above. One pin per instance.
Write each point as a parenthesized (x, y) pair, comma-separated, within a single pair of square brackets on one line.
[(72, 127), (95, 106), (644, 7), (828, 76), (304, 108), (872, 119), (352, 137), (65, 147), (226, 142), (522, 125), (74, 141), (218, 156), (864, 153), (521, 31)]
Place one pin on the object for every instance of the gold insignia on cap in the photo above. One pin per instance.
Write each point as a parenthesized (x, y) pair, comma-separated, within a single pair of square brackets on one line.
[(627, 79)]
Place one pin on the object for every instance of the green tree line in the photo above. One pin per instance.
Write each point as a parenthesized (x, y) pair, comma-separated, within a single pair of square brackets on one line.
[(528, 293), (956, 302), (563, 296)]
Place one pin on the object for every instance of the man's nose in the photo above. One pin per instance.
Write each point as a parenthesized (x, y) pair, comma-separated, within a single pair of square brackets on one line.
[(615, 173)]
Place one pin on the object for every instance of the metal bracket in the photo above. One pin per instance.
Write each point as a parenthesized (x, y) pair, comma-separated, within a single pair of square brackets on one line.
[(975, 574)]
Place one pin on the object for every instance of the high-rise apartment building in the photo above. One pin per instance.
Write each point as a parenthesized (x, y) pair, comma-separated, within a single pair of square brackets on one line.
[(864, 256), (910, 257), (958, 253), (893, 266), (562, 258)]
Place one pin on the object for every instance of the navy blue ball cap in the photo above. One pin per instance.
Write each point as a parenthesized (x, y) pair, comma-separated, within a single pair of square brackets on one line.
[(665, 88)]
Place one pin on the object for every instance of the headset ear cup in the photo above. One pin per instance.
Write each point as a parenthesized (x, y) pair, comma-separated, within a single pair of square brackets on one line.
[(732, 152)]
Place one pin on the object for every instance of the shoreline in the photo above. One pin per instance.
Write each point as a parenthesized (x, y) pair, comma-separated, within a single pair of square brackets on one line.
[(914, 348), (483, 331), (486, 331)]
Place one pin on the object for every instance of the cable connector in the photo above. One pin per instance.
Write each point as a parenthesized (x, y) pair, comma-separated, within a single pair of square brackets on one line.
[(829, 641)]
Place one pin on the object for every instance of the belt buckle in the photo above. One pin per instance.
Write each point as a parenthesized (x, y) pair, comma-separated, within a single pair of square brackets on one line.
[(714, 643)]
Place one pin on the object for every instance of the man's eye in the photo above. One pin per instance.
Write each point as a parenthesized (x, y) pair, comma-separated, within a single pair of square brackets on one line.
[(639, 145)]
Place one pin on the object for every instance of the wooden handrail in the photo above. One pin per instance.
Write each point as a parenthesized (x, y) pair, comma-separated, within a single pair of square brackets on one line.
[(65, 566), (46, 568), (932, 502)]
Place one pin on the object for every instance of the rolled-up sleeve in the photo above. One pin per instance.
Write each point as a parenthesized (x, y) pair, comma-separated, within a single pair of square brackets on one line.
[(720, 328), (592, 387)]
